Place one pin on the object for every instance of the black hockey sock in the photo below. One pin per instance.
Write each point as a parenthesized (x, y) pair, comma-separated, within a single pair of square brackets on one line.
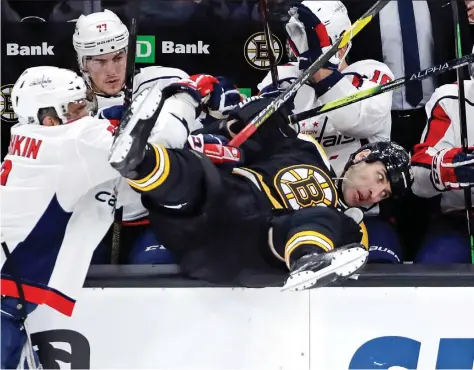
[(148, 164), (304, 250)]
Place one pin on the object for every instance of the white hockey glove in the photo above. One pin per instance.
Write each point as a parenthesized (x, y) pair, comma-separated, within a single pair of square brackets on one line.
[(308, 37)]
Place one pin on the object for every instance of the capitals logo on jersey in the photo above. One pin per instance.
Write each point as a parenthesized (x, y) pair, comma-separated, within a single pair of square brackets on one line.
[(322, 134), (304, 186)]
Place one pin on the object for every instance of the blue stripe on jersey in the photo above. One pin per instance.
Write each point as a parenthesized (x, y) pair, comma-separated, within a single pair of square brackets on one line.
[(155, 79), (35, 257)]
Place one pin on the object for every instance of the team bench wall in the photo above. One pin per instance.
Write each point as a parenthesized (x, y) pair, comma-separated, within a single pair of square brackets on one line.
[(152, 317)]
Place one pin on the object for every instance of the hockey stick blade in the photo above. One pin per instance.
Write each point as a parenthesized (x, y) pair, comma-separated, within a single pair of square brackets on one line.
[(380, 89), (356, 27)]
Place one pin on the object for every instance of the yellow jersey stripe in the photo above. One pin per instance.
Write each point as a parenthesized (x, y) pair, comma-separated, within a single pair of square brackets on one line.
[(310, 233), (159, 174)]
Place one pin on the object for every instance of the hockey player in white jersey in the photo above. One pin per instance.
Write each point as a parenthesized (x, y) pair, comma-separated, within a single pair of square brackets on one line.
[(100, 40), (58, 196), (311, 29), (442, 170)]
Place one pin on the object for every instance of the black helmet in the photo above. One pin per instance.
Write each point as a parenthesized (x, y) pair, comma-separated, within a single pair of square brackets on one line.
[(396, 161)]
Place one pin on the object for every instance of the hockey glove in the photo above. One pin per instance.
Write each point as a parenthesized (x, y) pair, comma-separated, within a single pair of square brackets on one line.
[(308, 37), (185, 85), (215, 148), (453, 169), (219, 95)]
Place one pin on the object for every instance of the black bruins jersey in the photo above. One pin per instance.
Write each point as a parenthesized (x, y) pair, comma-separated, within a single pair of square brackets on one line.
[(296, 175)]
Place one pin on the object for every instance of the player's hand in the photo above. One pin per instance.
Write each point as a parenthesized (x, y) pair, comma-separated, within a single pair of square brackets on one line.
[(219, 95), (215, 148), (453, 169), (308, 37)]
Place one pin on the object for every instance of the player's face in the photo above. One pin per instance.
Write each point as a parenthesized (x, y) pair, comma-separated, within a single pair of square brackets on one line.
[(81, 108), (107, 72), (364, 183)]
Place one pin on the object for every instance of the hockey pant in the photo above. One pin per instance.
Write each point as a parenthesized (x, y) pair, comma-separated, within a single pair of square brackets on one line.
[(16, 348), (446, 241), (384, 243), (139, 246)]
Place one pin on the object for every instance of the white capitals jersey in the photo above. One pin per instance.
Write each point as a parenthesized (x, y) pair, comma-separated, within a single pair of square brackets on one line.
[(442, 132), (341, 131), (147, 77), (58, 194)]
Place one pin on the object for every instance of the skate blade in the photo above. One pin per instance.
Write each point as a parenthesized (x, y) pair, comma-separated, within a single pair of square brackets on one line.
[(343, 264), (120, 150)]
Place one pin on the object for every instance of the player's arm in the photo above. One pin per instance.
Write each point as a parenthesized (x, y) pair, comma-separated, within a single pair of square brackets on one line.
[(434, 158), (365, 118), (161, 76), (175, 179)]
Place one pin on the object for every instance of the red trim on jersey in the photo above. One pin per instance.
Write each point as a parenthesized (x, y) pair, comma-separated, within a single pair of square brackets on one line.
[(37, 295), (438, 124), (136, 223)]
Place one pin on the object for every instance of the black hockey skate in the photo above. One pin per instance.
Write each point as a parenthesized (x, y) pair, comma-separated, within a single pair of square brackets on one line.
[(128, 148), (319, 270)]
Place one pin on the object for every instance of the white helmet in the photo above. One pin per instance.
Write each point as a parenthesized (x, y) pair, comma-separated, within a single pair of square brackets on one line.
[(99, 33), (46, 87), (334, 16)]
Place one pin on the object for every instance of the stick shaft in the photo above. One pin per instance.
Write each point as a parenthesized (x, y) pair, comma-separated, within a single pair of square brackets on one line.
[(129, 74), (269, 41), (380, 89)]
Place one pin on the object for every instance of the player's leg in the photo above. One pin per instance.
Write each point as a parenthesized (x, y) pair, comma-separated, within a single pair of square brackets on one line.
[(445, 242), (319, 245), (16, 348), (384, 243), (146, 249)]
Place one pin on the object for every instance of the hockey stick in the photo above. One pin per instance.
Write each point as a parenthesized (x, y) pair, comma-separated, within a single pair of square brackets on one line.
[(269, 41), (358, 25), (380, 89), (462, 119), (129, 74)]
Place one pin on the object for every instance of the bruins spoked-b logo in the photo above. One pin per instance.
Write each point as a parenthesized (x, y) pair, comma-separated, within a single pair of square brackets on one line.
[(304, 186), (256, 51), (6, 105)]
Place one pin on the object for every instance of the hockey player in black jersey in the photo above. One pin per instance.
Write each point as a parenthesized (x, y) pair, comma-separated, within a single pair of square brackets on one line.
[(275, 207)]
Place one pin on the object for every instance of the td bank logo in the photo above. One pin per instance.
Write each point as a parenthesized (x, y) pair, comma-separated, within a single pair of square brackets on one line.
[(145, 49), (247, 91)]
